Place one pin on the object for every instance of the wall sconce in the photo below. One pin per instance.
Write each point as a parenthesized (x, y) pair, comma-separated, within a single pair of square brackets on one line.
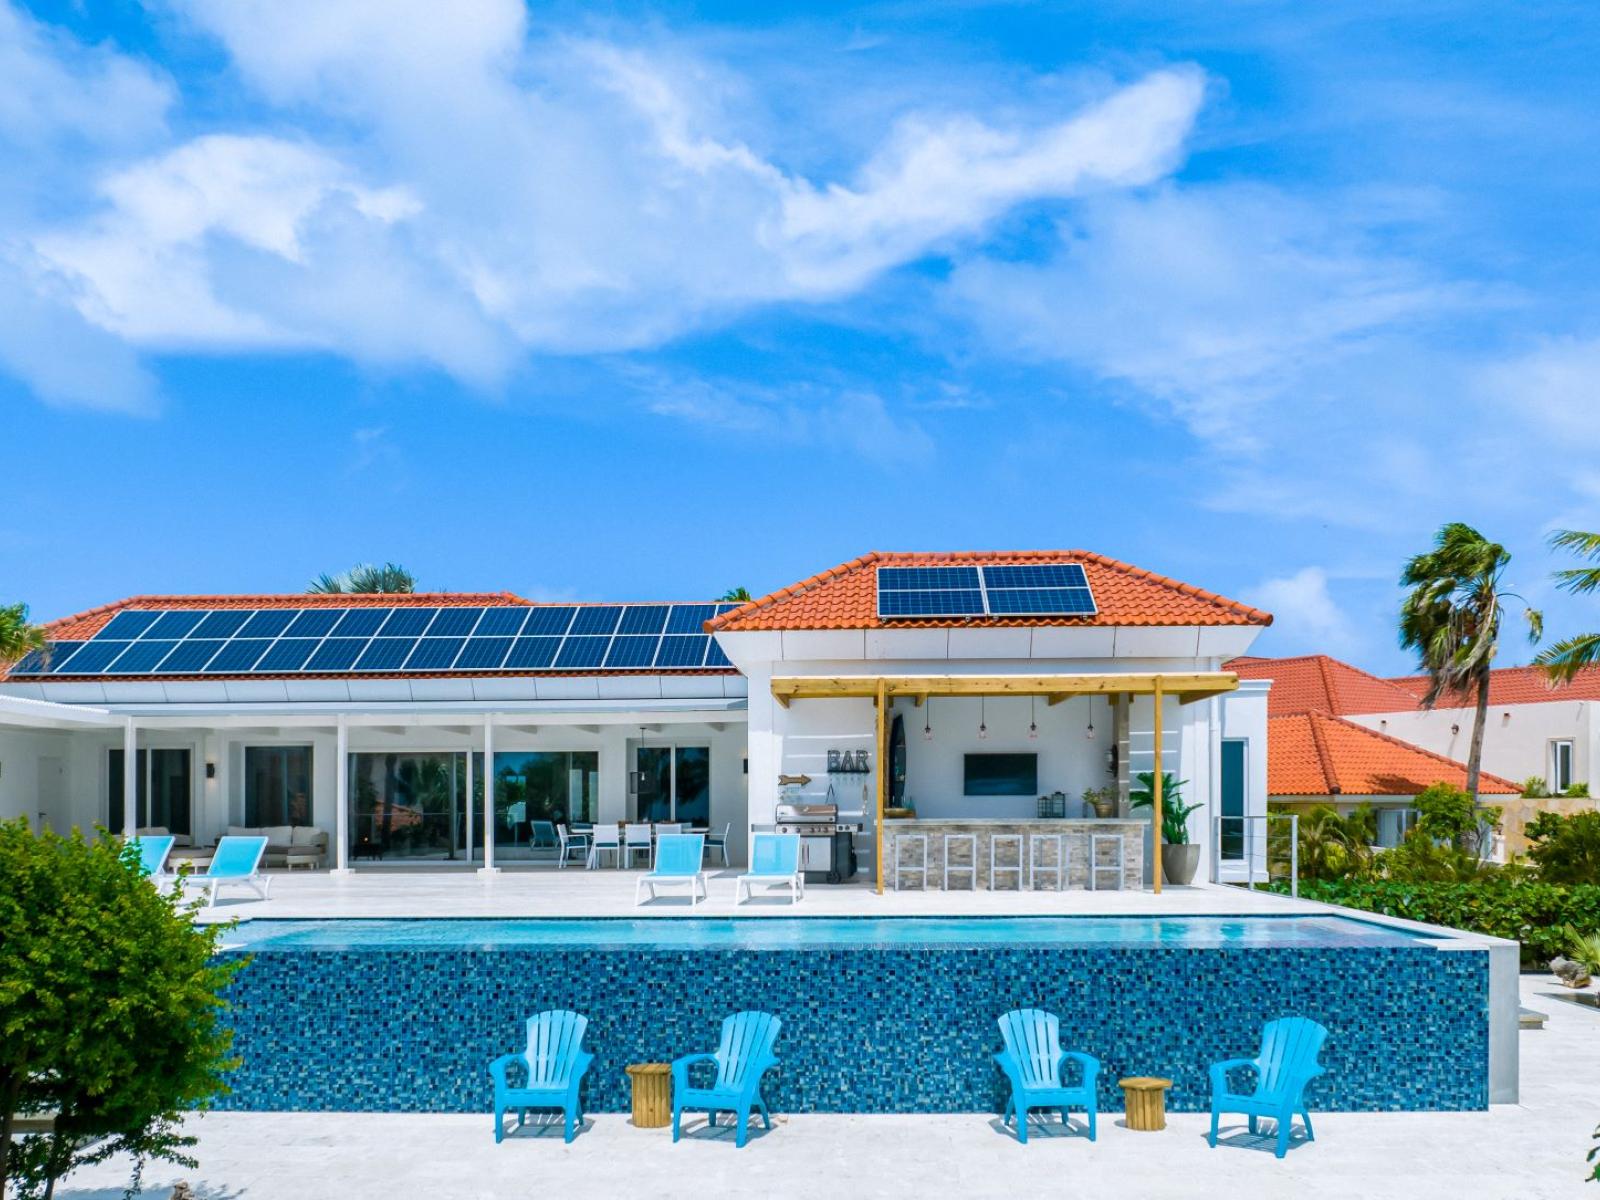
[(211, 770), (1454, 729)]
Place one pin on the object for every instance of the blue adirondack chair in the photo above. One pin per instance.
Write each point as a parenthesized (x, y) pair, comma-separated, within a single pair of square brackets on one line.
[(1287, 1062), (553, 1067), (742, 1058), (1032, 1061), (153, 851)]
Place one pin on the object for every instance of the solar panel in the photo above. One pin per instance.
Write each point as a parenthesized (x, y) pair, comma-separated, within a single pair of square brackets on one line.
[(336, 654), (552, 621), (286, 654), (454, 622), (267, 624), (434, 654), (1041, 601), (361, 622), (596, 619), (483, 654), (629, 652), (532, 653), (142, 656), (128, 625), (947, 603), (985, 589), (238, 656), (314, 622), (682, 651), (389, 638), (221, 624), (578, 653), (501, 622), (189, 657), (385, 654)]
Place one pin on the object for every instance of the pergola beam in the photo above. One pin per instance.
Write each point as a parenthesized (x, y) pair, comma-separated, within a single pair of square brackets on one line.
[(1186, 686)]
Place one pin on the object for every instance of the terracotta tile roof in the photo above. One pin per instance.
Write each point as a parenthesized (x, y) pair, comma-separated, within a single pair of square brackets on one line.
[(90, 622), (1315, 682), (846, 597), (1514, 685), (1315, 754)]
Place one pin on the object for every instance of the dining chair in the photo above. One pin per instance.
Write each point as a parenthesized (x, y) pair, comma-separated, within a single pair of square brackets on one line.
[(605, 839), (637, 840)]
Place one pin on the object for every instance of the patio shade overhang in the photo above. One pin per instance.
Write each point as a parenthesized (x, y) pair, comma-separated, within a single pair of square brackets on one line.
[(1186, 687)]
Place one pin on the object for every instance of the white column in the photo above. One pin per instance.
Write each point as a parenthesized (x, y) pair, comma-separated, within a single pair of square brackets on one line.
[(488, 867), (469, 803), (341, 798), (130, 778)]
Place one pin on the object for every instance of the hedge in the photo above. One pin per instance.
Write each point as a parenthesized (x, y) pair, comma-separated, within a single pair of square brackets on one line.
[(1534, 914)]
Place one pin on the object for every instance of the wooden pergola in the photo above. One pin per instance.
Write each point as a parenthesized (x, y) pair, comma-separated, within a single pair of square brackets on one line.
[(1185, 687)]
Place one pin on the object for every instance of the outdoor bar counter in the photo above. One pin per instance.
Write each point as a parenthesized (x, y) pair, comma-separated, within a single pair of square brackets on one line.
[(1075, 834)]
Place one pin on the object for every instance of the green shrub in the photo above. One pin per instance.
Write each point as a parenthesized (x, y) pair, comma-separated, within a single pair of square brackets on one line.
[(1536, 914), (1566, 849), (1533, 788), (1577, 791), (110, 1007)]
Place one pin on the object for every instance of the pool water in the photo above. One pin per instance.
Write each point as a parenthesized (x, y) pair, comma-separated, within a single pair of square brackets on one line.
[(822, 933)]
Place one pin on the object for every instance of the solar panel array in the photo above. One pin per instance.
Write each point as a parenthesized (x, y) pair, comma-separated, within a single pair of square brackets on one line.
[(310, 641), (985, 590)]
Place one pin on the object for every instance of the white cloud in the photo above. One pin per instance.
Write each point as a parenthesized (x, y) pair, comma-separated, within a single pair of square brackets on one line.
[(1306, 618), (443, 186), (1556, 384)]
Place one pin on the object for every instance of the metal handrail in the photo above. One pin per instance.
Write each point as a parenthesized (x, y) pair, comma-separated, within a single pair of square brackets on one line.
[(1256, 833)]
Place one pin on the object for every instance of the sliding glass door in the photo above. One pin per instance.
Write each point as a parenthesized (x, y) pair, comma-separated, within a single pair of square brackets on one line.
[(672, 783), (534, 791), (165, 790), (408, 806)]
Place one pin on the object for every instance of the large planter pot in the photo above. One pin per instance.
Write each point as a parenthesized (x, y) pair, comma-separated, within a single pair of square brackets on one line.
[(1179, 863)]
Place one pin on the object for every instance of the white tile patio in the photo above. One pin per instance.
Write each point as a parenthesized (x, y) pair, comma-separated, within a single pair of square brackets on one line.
[(1529, 1151)]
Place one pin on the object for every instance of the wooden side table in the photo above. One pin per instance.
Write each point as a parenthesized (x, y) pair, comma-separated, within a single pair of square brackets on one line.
[(652, 1094), (1146, 1105)]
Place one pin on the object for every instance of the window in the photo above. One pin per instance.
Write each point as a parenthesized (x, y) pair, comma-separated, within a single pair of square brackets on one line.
[(536, 790), (277, 785), (1393, 825), (408, 806), (165, 789), (673, 783), (1233, 790), (1560, 776)]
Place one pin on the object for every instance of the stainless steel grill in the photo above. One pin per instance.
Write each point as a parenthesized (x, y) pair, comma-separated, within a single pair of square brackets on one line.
[(816, 820)]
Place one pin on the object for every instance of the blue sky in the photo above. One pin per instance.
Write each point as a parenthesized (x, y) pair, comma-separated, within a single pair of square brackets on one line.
[(647, 301)]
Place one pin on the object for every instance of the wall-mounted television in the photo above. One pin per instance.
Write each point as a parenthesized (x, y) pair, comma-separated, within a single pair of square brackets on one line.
[(1001, 775)]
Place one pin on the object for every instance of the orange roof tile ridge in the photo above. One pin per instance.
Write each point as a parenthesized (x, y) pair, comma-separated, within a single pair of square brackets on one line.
[(1330, 774)]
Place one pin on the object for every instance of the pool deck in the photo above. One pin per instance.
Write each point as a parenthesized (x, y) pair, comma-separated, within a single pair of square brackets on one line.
[(1533, 1150), (546, 892)]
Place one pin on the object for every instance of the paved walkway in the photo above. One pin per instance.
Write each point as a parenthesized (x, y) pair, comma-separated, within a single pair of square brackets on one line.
[(1530, 1151)]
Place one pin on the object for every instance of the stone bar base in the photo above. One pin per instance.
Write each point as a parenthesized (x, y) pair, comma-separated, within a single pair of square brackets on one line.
[(1075, 837)]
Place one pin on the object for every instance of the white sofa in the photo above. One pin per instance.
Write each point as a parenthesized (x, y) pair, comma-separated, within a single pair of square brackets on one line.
[(288, 846)]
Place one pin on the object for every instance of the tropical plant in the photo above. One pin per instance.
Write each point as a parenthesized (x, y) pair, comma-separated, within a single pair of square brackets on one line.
[(1577, 791), (1451, 618), (1174, 812), (366, 579), (110, 1007), (1534, 788), (1583, 949), (739, 595), (1566, 658), (18, 636), (1565, 849)]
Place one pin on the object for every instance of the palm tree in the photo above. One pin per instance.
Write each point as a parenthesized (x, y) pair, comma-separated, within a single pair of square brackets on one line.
[(1451, 618), (18, 636), (738, 595), (1566, 658), (365, 579)]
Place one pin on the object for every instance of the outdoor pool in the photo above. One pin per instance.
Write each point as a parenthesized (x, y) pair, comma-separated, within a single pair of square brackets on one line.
[(880, 1014)]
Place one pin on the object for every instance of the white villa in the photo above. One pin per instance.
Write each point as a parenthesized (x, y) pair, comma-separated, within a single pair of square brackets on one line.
[(917, 694)]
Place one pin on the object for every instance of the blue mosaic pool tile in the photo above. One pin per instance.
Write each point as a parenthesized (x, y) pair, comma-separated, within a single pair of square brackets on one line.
[(881, 1030)]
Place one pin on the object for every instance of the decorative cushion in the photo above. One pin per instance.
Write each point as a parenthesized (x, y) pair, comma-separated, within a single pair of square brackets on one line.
[(278, 835), (309, 835)]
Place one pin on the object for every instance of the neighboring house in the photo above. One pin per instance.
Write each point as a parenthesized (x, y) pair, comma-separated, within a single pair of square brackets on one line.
[(1317, 758), (1003, 676), (1534, 729)]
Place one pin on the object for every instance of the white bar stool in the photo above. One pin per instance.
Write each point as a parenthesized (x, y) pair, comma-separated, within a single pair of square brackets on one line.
[(996, 868), (969, 841), (1115, 840), (919, 841), (1036, 841)]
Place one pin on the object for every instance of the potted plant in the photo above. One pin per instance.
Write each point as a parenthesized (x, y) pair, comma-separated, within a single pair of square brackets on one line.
[(1101, 801), (1179, 859)]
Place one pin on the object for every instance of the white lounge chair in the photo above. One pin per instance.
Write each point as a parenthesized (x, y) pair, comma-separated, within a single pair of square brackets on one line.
[(677, 861), (237, 861), (774, 861)]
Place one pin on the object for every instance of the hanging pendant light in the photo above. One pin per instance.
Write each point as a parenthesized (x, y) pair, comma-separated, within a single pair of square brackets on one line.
[(927, 719), (1033, 720), (983, 715)]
